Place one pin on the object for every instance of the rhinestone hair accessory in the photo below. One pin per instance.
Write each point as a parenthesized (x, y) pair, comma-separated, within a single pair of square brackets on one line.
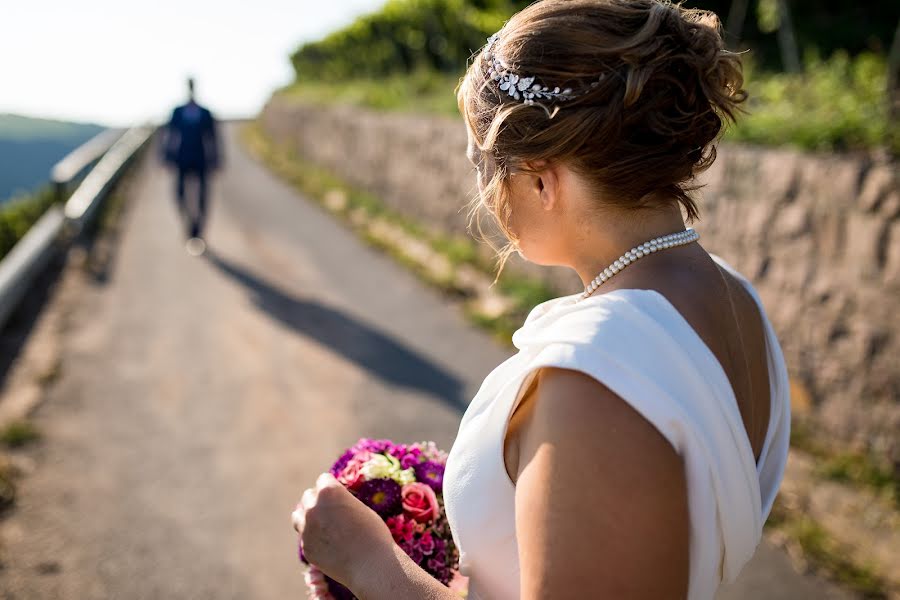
[(523, 88)]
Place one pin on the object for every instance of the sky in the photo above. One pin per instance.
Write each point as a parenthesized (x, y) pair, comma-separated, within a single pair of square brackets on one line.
[(122, 62)]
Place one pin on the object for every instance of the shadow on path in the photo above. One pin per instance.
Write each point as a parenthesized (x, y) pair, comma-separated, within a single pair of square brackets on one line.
[(373, 350)]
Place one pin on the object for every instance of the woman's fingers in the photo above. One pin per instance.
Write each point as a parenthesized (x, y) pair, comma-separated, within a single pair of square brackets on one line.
[(308, 499), (326, 480), (298, 518)]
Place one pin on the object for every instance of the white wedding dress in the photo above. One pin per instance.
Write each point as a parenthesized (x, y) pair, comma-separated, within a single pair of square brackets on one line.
[(638, 345)]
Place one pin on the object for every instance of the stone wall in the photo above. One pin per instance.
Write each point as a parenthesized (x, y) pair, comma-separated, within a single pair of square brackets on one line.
[(819, 235)]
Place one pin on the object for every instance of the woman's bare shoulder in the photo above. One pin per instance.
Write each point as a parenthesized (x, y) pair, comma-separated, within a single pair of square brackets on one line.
[(600, 495)]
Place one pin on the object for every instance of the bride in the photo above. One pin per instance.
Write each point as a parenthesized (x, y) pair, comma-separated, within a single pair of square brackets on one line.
[(634, 445)]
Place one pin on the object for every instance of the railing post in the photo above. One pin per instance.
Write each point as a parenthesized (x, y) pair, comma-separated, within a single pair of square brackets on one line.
[(60, 188)]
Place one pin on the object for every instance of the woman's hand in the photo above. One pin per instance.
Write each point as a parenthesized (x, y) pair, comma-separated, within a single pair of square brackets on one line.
[(338, 533)]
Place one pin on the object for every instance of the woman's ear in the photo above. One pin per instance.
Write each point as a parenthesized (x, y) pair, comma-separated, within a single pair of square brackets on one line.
[(548, 185)]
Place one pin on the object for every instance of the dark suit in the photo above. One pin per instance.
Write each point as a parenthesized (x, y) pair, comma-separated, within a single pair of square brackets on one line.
[(191, 145)]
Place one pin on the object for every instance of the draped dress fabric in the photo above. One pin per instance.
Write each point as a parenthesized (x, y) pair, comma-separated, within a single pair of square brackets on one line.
[(639, 346)]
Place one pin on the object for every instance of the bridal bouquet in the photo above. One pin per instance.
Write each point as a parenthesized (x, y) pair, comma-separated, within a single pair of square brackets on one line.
[(403, 484)]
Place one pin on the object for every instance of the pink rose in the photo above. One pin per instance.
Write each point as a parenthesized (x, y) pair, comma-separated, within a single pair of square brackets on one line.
[(351, 476), (419, 502)]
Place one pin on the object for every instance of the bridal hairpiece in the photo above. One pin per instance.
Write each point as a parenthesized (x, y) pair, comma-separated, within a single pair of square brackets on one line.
[(524, 88)]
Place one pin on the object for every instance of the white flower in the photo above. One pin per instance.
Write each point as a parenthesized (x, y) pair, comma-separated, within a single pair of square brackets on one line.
[(385, 466), (380, 466), (405, 477)]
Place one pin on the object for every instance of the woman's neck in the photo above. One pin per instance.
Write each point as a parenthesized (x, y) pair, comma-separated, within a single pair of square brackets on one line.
[(613, 232)]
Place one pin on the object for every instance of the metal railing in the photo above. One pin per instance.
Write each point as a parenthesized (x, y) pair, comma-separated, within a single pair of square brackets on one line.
[(58, 226), (69, 169), (84, 201)]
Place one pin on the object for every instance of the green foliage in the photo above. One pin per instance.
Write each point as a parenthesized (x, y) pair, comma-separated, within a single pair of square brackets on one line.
[(19, 214), (767, 15), (18, 433), (409, 56), (405, 36), (836, 104), (420, 91)]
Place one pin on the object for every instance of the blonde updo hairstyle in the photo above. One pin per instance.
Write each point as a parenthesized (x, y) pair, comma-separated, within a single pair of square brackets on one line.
[(664, 86)]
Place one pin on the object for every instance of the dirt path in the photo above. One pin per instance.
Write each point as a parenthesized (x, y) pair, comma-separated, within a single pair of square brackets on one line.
[(198, 396)]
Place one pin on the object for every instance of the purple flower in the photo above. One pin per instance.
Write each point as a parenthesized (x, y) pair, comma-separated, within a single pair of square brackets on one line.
[(381, 495), (397, 450), (410, 458), (415, 553), (426, 543), (376, 446), (431, 473), (339, 465), (439, 546)]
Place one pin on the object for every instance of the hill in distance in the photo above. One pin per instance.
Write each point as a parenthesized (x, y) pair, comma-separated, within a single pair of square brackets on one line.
[(29, 148)]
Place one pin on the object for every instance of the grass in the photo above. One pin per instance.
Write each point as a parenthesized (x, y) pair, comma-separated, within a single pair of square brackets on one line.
[(19, 214), (18, 433), (528, 291), (525, 293), (860, 470), (824, 554), (854, 468), (416, 92), (458, 250), (51, 374), (7, 486), (500, 327)]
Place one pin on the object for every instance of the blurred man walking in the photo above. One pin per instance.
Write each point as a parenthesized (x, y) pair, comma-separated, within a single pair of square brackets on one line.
[(192, 147)]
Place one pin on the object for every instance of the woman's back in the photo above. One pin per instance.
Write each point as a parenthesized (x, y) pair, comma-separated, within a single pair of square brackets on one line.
[(728, 320), (637, 343)]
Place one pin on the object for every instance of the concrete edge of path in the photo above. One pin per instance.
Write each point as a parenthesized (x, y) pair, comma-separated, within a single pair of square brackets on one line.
[(39, 359)]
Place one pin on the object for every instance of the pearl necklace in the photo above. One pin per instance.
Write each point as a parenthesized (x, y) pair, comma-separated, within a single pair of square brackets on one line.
[(661, 243)]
